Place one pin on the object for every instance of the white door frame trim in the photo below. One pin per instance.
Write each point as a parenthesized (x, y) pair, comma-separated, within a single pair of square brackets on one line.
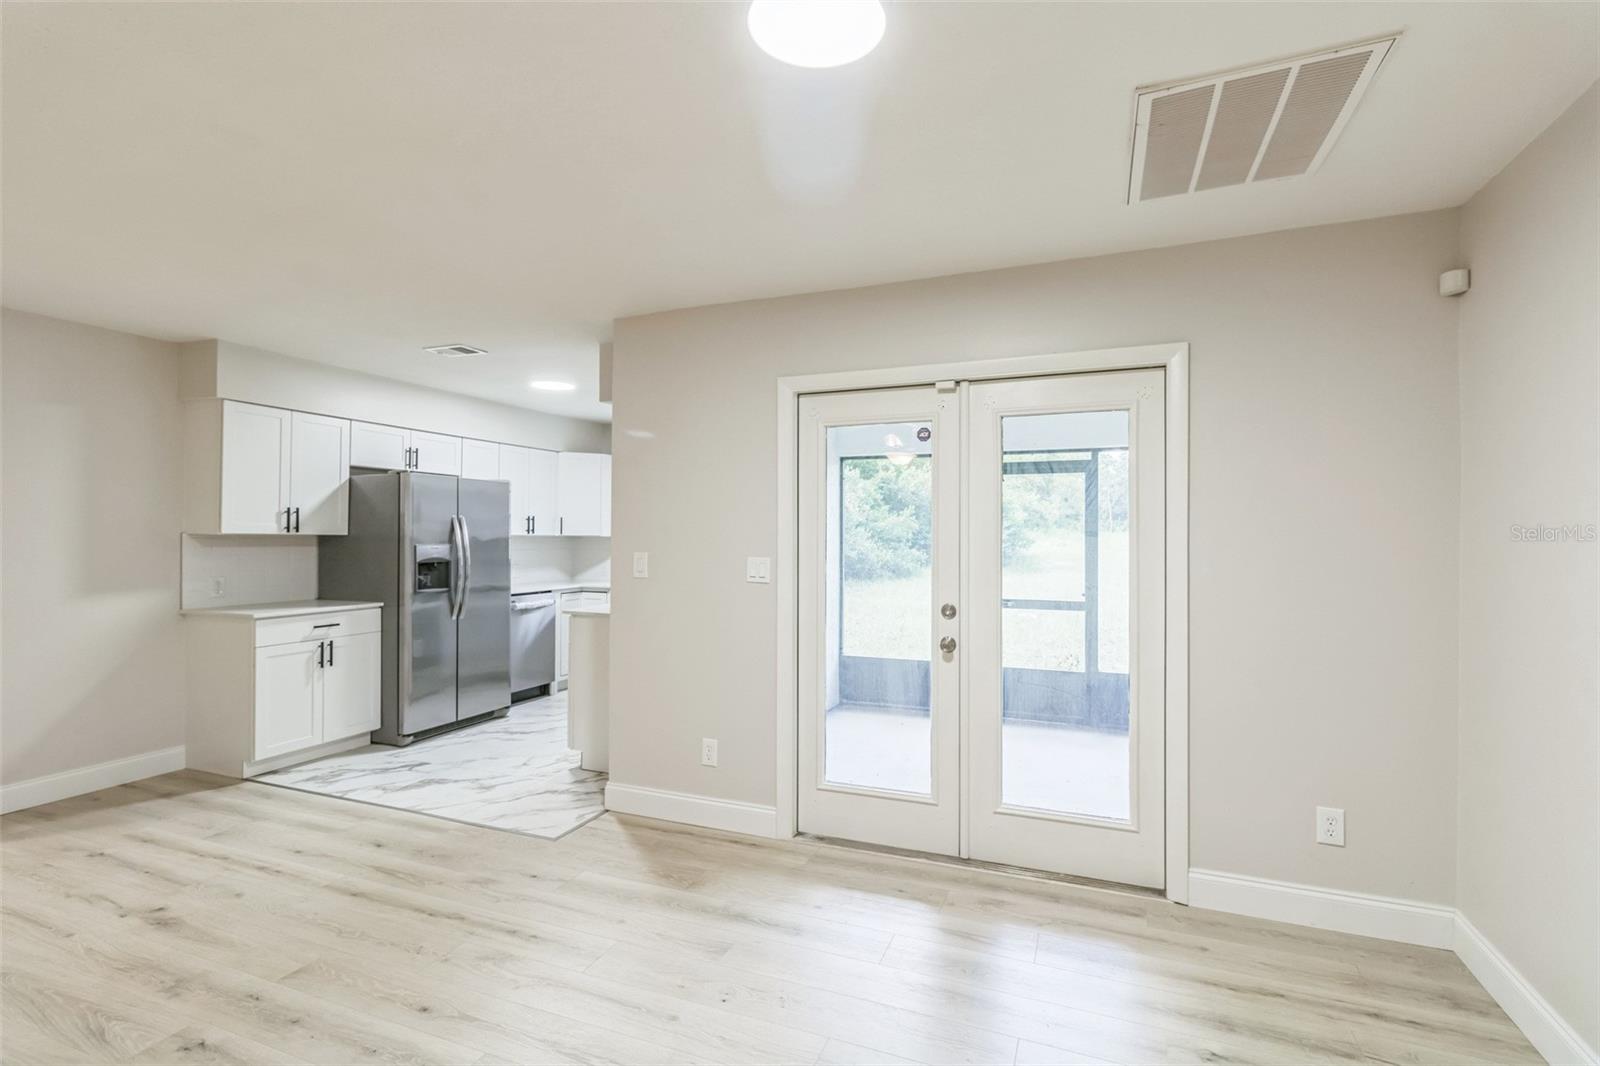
[(1174, 358)]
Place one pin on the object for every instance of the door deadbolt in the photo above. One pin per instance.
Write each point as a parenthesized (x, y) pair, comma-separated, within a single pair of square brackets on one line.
[(948, 645), (948, 610)]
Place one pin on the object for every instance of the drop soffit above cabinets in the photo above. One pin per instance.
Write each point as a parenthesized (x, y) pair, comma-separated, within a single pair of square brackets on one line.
[(1277, 120)]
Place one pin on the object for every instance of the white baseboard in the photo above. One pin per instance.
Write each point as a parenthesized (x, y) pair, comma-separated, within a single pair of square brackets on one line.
[(748, 818), (31, 793), (1408, 921), (1545, 1029)]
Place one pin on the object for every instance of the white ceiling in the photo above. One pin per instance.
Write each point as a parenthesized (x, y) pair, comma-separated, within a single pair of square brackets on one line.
[(349, 182)]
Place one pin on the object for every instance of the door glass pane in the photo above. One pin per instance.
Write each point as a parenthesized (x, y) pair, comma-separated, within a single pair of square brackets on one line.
[(1065, 613), (879, 607)]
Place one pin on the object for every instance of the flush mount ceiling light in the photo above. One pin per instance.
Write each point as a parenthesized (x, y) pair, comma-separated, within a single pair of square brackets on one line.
[(816, 33), (454, 351), (552, 386)]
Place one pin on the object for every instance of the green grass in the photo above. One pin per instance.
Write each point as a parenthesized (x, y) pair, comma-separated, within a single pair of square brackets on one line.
[(893, 618)]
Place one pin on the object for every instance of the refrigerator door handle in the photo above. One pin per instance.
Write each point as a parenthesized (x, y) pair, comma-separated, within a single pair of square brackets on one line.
[(457, 566), (466, 559)]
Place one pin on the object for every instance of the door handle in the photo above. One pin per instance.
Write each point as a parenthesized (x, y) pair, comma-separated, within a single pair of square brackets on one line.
[(457, 565), (321, 647), (948, 611), (330, 653), (466, 561), (948, 645), (297, 519), (287, 523)]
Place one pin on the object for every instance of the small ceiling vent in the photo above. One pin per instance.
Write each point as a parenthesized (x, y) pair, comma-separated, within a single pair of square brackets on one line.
[(454, 351), (1271, 121)]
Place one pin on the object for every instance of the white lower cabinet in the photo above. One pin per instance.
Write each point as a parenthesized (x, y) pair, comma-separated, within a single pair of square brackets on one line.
[(288, 699), (565, 602), (269, 688), (351, 701)]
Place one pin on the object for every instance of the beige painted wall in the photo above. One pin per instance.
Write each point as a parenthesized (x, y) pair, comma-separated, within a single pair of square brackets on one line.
[(237, 372), (1324, 485), (89, 547), (1530, 455)]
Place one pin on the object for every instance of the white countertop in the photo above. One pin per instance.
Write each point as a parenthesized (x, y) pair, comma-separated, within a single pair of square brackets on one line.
[(282, 610), (588, 609), (586, 586)]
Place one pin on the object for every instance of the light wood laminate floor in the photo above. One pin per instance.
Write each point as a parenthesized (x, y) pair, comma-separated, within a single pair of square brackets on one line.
[(186, 919)]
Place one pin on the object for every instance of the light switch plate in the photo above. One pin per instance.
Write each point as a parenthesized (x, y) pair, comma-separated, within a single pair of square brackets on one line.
[(758, 569), (641, 564)]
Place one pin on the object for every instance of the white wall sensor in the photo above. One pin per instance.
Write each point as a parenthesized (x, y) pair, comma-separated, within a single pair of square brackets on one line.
[(1454, 282)]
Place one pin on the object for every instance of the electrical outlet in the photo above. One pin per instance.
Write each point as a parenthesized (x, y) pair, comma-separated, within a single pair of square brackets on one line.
[(708, 751), (641, 564), (217, 586), (1330, 826)]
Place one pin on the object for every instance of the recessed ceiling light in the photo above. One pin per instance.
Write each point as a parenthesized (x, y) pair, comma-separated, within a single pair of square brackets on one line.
[(454, 351), (552, 386), (816, 33)]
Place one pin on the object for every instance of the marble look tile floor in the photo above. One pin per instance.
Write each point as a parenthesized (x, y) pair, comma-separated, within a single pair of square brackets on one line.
[(513, 773)]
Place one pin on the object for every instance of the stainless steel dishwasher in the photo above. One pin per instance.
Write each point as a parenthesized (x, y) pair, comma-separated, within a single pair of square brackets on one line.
[(533, 644)]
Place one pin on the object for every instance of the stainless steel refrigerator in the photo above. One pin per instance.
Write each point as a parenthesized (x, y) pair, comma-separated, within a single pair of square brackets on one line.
[(435, 550)]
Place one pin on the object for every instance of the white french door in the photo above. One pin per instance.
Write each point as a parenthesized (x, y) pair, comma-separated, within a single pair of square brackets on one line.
[(981, 621), (880, 518)]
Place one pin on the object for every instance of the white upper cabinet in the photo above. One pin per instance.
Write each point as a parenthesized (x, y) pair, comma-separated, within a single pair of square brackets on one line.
[(254, 469), (543, 499), (480, 459), (393, 448), (319, 474), (584, 480), (532, 474), (435, 453), (516, 467), (254, 475), (379, 447)]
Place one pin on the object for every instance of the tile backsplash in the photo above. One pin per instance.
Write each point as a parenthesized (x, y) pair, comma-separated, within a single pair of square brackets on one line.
[(559, 561), (228, 571)]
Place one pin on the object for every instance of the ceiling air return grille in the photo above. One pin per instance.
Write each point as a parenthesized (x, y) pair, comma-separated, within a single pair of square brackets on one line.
[(1271, 121), (455, 351)]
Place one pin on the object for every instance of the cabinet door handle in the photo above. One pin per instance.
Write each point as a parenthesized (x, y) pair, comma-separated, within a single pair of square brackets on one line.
[(321, 647), (297, 519), (287, 511), (416, 458), (330, 653), (533, 523)]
